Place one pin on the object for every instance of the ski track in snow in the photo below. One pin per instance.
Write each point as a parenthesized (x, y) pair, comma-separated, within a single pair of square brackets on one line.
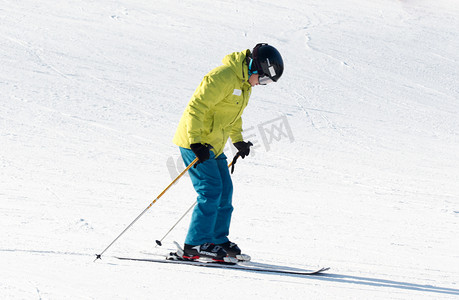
[(366, 183)]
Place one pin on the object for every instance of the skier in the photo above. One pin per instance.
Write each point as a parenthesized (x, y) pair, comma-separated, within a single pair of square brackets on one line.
[(212, 115)]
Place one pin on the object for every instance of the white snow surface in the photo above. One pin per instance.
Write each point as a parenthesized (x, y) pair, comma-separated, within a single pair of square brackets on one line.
[(366, 181)]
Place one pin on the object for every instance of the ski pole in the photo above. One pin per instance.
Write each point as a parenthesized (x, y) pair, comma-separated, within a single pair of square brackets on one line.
[(99, 256), (159, 242)]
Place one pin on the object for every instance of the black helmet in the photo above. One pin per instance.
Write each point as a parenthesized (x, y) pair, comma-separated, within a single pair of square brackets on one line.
[(268, 62)]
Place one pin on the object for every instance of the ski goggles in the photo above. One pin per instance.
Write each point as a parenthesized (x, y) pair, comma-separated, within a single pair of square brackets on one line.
[(264, 80)]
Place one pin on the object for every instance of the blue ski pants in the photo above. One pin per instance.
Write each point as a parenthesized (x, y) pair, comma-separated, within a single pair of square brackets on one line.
[(211, 217)]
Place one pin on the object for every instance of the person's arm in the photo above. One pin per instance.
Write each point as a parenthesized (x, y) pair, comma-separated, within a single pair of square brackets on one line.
[(211, 91), (236, 131)]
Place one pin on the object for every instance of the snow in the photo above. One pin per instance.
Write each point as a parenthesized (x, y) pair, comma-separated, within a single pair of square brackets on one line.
[(366, 181)]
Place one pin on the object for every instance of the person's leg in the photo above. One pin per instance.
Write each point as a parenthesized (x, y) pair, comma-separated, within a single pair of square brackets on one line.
[(207, 182), (225, 208)]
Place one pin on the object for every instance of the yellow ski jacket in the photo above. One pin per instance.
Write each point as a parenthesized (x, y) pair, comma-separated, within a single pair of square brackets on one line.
[(214, 111)]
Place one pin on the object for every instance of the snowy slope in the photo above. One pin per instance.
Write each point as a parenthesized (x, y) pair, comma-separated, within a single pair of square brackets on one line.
[(356, 162)]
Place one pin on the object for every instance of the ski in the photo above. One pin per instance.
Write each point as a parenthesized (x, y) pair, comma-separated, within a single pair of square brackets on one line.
[(233, 266)]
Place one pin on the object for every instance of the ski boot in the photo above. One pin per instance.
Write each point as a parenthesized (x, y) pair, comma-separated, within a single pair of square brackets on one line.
[(207, 252), (234, 251)]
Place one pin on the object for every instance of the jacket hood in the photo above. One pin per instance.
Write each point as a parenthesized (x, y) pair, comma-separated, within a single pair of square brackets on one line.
[(236, 62)]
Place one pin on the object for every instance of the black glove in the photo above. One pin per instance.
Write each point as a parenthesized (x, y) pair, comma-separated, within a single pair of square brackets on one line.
[(201, 151), (243, 147)]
